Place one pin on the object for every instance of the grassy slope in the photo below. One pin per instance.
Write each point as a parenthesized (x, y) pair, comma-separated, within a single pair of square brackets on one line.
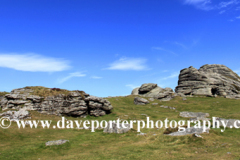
[(30, 143)]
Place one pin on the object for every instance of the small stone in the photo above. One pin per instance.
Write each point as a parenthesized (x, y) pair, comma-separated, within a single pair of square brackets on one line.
[(197, 135), (57, 142), (142, 134)]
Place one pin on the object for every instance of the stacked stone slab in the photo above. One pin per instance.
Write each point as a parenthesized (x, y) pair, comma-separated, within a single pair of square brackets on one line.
[(209, 80), (76, 103)]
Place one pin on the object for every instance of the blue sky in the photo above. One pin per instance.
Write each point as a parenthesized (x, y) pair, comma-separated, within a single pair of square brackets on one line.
[(107, 48)]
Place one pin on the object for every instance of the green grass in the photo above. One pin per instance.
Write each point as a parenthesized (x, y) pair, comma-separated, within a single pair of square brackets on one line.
[(30, 143), (45, 92)]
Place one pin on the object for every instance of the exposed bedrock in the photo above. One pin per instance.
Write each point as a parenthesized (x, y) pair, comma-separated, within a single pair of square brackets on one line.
[(209, 80), (72, 103)]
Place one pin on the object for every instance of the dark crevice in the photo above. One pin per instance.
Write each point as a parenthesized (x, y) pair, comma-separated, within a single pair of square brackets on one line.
[(143, 92), (88, 108), (214, 91)]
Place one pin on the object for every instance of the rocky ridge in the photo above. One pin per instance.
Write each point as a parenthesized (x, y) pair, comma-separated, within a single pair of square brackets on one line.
[(74, 103)]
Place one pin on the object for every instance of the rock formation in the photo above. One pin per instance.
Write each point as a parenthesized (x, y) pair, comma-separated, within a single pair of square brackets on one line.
[(71, 103), (154, 91), (209, 80)]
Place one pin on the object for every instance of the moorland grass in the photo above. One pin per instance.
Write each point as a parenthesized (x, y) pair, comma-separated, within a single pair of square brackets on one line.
[(83, 144)]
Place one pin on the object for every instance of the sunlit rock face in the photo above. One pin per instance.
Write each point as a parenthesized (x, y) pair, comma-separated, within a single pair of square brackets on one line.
[(209, 80)]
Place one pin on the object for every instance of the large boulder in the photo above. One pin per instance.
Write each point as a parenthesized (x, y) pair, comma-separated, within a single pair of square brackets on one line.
[(69, 103), (209, 80), (154, 91)]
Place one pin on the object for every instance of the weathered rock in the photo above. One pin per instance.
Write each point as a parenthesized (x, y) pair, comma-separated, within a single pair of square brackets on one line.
[(16, 115), (113, 128), (75, 103), (135, 91), (154, 103), (166, 99), (181, 95), (173, 108), (209, 80), (230, 122), (98, 106), (140, 101), (57, 142), (237, 96), (153, 91), (147, 87), (194, 115), (188, 131)]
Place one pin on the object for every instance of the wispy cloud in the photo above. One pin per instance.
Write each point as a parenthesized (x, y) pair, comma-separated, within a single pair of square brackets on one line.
[(96, 77), (173, 75), (221, 12), (33, 63), (200, 4), (165, 50), (132, 86), (227, 3), (71, 75), (238, 17), (181, 45), (136, 64), (208, 5)]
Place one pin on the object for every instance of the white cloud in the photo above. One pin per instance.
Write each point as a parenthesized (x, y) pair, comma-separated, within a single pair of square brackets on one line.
[(71, 75), (165, 50), (208, 4), (221, 12), (238, 17), (32, 63), (129, 64), (228, 3), (200, 4), (132, 86), (173, 75), (96, 77)]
